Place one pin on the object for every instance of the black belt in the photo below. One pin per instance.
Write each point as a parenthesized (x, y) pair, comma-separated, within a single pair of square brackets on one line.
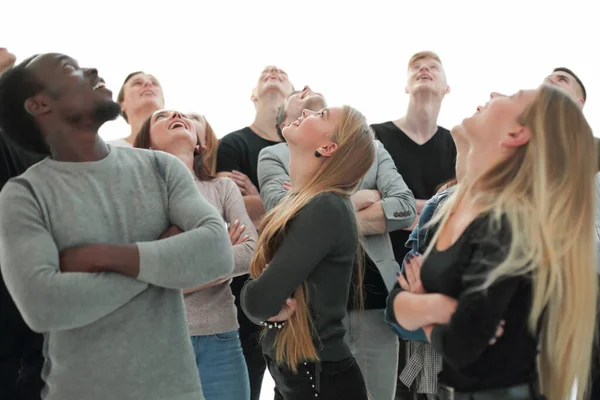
[(526, 391)]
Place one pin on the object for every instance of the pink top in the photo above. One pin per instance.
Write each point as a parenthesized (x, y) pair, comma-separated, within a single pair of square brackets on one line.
[(212, 310)]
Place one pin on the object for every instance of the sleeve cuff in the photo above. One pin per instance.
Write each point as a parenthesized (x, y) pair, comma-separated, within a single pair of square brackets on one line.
[(149, 263)]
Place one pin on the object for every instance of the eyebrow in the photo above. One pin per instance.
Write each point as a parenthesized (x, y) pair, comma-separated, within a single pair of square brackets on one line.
[(63, 58), (159, 114)]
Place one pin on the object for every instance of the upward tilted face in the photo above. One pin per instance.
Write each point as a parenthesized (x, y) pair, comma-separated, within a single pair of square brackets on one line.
[(71, 93), (566, 82), (313, 129), (272, 79), (168, 127), (142, 91), (426, 74), (304, 99)]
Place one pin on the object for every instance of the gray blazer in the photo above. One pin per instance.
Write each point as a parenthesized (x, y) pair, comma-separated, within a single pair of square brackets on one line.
[(397, 201)]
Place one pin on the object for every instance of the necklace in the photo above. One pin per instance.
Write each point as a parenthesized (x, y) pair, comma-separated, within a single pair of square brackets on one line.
[(260, 132)]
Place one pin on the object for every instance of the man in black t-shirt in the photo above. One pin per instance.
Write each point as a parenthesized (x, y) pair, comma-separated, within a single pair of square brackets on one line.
[(237, 158), (21, 356), (424, 153)]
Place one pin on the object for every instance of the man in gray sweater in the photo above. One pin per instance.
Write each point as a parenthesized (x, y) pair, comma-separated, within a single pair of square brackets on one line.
[(78, 242)]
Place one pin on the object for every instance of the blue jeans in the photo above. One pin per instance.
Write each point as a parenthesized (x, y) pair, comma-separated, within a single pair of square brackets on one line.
[(223, 371)]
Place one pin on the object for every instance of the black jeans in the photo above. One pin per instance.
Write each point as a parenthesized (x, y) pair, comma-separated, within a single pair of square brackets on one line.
[(249, 337), (328, 380), (21, 356)]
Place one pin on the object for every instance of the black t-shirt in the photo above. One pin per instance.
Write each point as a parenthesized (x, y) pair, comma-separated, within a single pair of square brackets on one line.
[(239, 151), (374, 291), (423, 167), (14, 160)]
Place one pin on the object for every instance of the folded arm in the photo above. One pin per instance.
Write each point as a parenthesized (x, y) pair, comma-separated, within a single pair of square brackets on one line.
[(234, 209), (199, 255), (47, 299), (271, 175), (308, 240), (397, 200), (390, 318), (466, 336)]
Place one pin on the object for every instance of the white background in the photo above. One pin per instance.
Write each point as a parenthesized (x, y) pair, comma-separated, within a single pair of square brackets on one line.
[(208, 54)]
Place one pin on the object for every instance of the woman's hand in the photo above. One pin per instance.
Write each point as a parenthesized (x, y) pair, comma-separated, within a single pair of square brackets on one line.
[(412, 283), (287, 310), (235, 233)]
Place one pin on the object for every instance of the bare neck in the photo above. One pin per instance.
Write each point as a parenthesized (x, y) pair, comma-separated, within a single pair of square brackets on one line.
[(420, 121), (136, 120), (303, 167), (182, 151), (265, 121)]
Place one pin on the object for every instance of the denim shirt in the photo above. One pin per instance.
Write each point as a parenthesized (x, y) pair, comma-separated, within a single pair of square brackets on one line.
[(417, 243)]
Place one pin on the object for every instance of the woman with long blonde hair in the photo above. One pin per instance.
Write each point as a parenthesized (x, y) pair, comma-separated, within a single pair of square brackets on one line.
[(512, 262), (309, 242)]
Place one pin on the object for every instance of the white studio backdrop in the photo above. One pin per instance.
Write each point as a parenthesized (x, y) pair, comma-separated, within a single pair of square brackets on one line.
[(208, 54)]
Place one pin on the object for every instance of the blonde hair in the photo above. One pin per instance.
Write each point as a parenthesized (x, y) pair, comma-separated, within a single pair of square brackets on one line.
[(212, 145), (546, 193), (340, 174), (423, 54)]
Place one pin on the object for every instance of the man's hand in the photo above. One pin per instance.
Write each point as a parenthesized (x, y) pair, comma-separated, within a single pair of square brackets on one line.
[(244, 183), (172, 231), (235, 233), (365, 198), (287, 186), (287, 310), (81, 259)]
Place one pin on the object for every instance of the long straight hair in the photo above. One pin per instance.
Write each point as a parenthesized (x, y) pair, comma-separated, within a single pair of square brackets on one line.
[(340, 173), (546, 193)]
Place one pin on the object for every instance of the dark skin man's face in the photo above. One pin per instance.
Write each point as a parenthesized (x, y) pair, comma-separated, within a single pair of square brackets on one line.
[(71, 94)]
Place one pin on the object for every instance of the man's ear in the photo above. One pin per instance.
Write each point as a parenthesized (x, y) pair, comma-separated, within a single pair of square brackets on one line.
[(37, 105)]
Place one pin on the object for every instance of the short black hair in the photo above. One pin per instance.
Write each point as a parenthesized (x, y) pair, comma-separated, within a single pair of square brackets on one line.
[(16, 86), (568, 71)]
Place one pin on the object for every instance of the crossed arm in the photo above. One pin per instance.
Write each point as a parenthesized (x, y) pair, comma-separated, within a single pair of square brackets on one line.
[(51, 299), (388, 207)]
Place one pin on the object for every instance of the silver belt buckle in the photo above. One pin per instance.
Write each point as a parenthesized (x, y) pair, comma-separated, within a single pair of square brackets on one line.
[(446, 391)]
